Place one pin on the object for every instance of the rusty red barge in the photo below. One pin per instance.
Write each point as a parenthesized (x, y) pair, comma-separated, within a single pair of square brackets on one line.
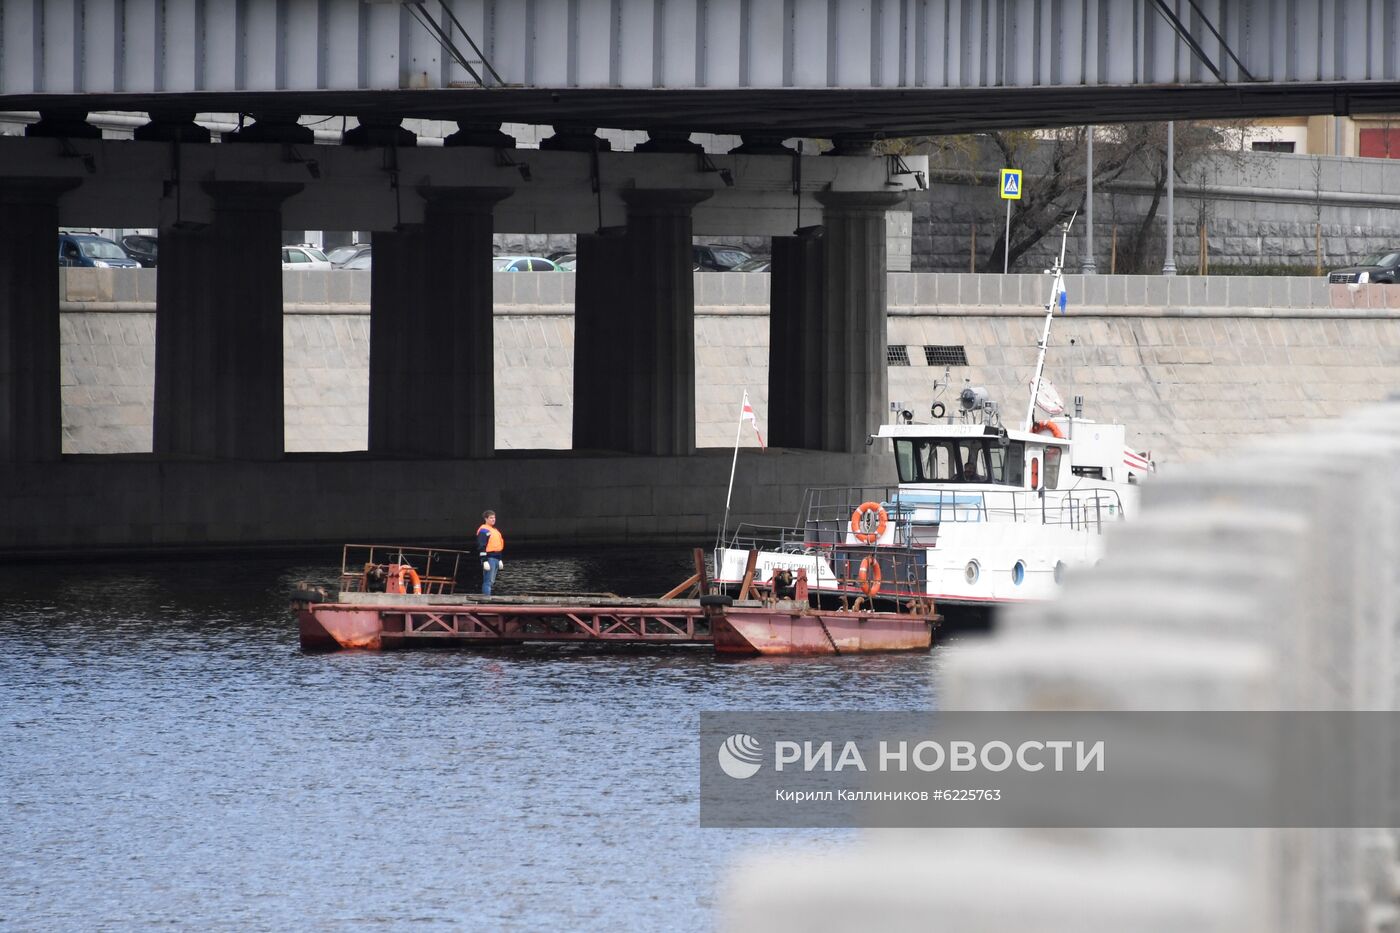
[(399, 597)]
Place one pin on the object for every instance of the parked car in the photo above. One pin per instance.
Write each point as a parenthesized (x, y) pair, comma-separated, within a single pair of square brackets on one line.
[(1382, 267), (567, 262), (522, 264), (717, 258), (304, 258), (756, 264), (364, 261), (142, 248), (88, 250), (342, 255)]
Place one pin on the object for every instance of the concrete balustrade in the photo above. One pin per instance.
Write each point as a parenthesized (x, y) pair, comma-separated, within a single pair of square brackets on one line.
[(1279, 296)]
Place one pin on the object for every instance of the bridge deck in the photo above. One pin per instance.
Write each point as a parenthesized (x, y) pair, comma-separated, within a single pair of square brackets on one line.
[(804, 67)]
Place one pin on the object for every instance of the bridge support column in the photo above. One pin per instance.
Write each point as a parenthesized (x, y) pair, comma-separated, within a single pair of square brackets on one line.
[(31, 419), (432, 338), (218, 391), (398, 302), (795, 376), (659, 308), (854, 327), (601, 344)]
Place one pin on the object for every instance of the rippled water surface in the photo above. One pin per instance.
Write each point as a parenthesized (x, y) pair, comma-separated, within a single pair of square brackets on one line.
[(169, 757)]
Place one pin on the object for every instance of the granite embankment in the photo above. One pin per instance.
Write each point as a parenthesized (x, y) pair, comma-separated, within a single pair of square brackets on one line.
[(1191, 364)]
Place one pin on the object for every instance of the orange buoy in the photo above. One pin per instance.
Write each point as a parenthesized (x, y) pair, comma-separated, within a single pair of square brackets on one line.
[(1048, 427), (407, 570), (860, 526), (870, 576)]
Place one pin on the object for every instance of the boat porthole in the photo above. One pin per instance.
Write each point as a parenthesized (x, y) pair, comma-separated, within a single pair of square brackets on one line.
[(1018, 572), (1060, 572), (972, 571)]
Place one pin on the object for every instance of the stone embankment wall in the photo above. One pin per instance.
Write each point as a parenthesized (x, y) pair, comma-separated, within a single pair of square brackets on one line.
[(1190, 364)]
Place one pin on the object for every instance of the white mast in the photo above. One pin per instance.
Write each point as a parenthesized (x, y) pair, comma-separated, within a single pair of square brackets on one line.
[(733, 466), (1057, 289)]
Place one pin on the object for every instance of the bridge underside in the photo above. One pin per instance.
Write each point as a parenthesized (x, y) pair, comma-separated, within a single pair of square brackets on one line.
[(812, 112)]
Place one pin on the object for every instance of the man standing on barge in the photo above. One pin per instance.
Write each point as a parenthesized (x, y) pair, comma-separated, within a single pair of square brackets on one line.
[(490, 546)]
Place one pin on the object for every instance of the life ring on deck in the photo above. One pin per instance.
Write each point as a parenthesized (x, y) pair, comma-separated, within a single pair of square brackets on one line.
[(870, 576), (406, 570), (1048, 427), (858, 525)]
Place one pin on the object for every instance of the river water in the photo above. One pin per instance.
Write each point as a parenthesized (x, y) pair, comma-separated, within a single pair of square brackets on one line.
[(168, 757)]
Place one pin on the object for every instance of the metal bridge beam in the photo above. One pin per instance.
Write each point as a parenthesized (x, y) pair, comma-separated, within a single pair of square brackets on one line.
[(816, 66)]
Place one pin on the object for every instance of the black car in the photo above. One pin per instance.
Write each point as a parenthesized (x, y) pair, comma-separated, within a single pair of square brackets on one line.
[(717, 258), (342, 256), (1382, 267), (141, 248)]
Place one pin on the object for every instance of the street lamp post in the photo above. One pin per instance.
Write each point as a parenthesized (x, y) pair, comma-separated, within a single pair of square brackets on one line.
[(1089, 266), (1169, 266)]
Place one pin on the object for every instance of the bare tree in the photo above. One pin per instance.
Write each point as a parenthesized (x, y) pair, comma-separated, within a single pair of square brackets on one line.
[(1055, 184)]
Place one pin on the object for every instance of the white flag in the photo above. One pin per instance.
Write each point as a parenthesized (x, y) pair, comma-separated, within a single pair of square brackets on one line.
[(750, 417)]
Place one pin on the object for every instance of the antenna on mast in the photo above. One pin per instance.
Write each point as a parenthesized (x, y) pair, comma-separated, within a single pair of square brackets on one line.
[(1057, 291)]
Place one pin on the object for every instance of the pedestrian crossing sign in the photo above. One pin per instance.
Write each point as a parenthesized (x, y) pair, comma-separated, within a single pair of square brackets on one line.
[(1011, 184)]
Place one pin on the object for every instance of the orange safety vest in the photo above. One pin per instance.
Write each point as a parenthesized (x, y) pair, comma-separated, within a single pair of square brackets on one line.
[(494, 543)]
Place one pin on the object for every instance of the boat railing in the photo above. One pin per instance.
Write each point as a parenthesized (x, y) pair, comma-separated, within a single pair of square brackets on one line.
[(773, 538), (861, 569), (365, 567), (872, 571), (915, 514)]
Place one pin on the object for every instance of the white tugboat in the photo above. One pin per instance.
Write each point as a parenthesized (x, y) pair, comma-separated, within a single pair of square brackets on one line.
[(984, 513)]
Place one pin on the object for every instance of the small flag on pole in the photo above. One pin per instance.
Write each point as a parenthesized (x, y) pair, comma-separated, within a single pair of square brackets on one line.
[(1141, 462), (750, 417)]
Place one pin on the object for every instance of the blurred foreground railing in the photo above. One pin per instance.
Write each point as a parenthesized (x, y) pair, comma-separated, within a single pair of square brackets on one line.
[(1268, 581)]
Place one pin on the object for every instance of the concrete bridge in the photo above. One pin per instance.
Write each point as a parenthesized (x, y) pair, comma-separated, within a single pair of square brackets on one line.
[(850, 70), (780, 68)]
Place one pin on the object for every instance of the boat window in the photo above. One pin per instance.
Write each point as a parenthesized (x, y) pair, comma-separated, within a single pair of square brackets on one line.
[(1008, 463), (904, 460), (924, 461), (939, 465), (970, 460), (1052, 466), (971, 455)]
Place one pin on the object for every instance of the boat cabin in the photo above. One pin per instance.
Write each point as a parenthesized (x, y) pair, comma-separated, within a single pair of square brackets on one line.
[(976, 454)]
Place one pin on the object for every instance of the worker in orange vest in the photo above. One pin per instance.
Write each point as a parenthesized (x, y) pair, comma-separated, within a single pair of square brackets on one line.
[(490, 546)]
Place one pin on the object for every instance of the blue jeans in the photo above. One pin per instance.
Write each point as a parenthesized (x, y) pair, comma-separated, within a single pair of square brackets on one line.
[(488, 576)]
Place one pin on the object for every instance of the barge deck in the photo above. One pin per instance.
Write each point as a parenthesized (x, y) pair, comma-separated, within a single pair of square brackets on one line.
[(418, 609)]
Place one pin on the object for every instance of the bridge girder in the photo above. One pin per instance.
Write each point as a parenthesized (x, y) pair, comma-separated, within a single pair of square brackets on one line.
[(797, 67)]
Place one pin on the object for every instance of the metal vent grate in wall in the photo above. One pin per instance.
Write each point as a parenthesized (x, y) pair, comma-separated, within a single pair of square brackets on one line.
[(897, 355), (944, 356)]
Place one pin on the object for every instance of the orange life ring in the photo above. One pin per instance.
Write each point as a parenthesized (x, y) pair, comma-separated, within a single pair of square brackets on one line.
[(858, 522), (412, 575), (1048, 427), (870, 576)]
